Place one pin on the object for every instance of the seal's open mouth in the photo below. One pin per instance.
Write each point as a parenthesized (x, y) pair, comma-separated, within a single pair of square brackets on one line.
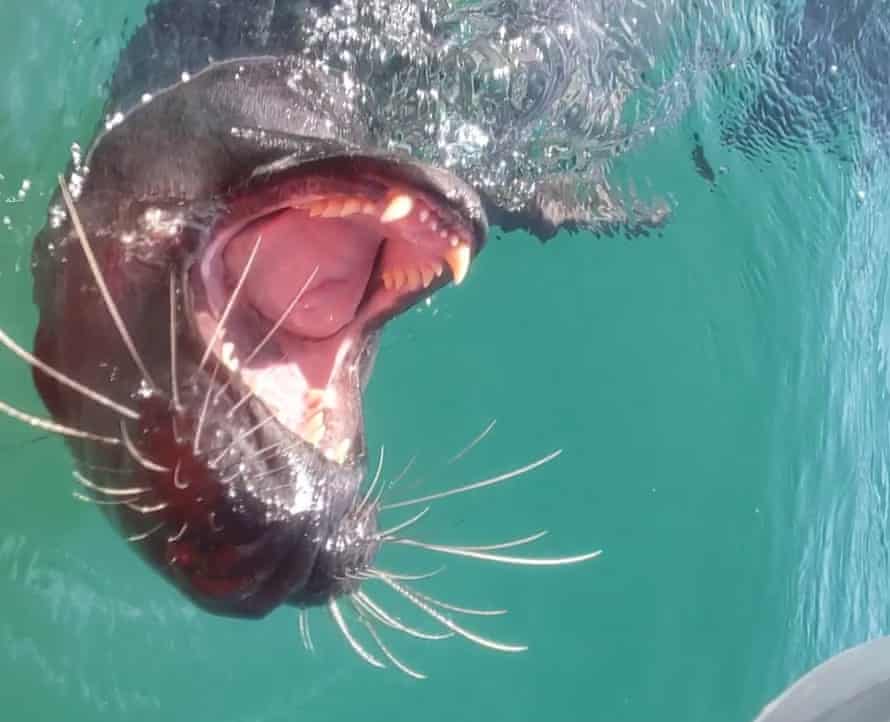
[(319, 261)]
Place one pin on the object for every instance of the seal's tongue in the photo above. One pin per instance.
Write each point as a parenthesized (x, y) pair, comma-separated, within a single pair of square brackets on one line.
[(342, 251)]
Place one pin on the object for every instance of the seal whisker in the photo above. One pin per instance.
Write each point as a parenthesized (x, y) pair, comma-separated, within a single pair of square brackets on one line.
[(470, 611), (374, 609), (178, 535), (241, 437), (146, 535), (223, 319), (100, 502), (133, 491), (204, 407), (387, 533), (403, 472), (174, 379), (51, 426), (401, 666), (502, 559), (305, 634), (353, 642), (32, 360), (135, 453), (103, 287), (248, 395), (469, 447), (505, 545), (475, 485), (373, 483), (404, 577), (278, 324), (447, 622), (146, 509)]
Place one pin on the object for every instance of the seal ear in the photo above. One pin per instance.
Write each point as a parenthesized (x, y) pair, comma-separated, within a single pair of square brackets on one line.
[(567, 202)]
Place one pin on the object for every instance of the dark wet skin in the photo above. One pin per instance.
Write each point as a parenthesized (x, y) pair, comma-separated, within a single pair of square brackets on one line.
[(244, 480), (211, 292)]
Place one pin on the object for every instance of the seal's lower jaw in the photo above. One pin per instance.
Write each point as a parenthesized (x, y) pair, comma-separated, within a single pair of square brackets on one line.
[(315, 263)]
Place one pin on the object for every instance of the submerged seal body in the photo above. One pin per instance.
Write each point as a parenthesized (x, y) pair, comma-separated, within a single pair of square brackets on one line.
[(211, 286)]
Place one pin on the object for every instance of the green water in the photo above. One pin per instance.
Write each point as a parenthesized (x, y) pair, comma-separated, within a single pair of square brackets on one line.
[(719, 390)]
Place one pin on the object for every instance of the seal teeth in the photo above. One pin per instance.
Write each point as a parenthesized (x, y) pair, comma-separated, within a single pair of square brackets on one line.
[(339, 453), (458, 260), (334, 209), (317, 208), (313, 428), (351, 206), (428, 274), (412, 278), (397, 209)]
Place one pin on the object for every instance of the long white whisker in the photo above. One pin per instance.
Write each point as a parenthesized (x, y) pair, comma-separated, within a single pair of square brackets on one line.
[(278, 324), (99, 502), (449, 623), (146, 509), (373, 483), (403, 472), (401, 666), (223, 319), (103, 288), (248, 395), (304, 631), (384, 617), (387, 533), (353, 642), (108, 491), (476, 485), (181, 533), (146, 535), (403, 577), (174, 376), (63, 379), (502, 559), (469, 447), (52, 426), (135, 453), (238, 439), (470, 611), (204, 407), (505, 545)]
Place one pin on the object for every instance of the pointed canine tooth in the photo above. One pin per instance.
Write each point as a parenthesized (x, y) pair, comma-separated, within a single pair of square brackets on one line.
[(428, 275), (398, 279), (351, 207), (315, 435), (398, 208), (439, 269), (458, 260), (412, 276), (313, 398)]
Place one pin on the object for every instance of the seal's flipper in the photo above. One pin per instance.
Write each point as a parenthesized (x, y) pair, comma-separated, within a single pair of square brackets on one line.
[(853, 686)]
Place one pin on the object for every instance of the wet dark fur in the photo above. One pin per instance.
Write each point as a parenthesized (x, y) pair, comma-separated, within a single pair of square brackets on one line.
[(239, 514)]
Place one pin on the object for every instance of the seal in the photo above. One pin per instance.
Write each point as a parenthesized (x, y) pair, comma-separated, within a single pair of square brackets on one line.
[(211, 287)]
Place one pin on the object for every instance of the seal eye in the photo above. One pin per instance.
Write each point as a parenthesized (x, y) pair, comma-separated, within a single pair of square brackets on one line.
[(330, 260)]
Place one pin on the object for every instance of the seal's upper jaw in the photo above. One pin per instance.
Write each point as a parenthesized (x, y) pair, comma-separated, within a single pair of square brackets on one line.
[(321, 256)]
